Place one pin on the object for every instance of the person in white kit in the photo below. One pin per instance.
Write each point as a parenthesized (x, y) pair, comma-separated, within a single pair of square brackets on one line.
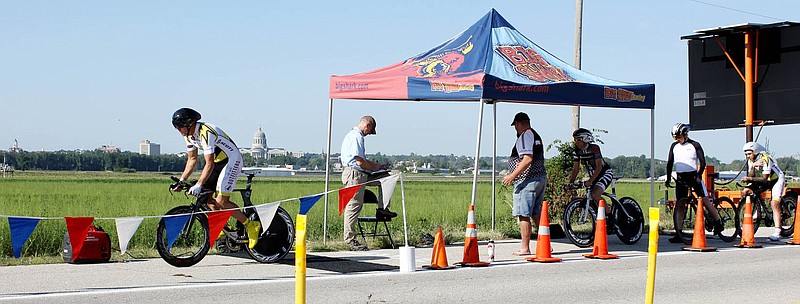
[(690, 162), (223, 163), (764, 173)]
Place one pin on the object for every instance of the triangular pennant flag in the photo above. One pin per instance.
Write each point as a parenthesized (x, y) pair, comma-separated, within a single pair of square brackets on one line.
[(307, 202), (217, 221), (266, 213), (174, 225), (21, 229), (126, 227), (387, 188), (345, 195), (78, 227)]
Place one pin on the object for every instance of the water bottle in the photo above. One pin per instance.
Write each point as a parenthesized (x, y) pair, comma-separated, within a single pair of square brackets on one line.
[(490, 250)]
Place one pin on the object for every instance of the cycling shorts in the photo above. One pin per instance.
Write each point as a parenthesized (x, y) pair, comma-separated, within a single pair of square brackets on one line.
[(690, 178), (224, 177), (604, 179), (776, 187)]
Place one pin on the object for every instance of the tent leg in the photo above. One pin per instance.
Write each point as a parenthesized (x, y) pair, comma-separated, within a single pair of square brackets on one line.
[(475, 171), (494, 162), (327, 173)]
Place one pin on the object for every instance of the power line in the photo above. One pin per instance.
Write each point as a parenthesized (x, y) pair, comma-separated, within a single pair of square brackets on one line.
[(736, 10)]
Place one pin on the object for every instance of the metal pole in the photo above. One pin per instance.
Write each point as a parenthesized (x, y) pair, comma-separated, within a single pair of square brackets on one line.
[(327, 173), (494, 162), (576, 110), (477, 155), (749, 92), (652, 157)]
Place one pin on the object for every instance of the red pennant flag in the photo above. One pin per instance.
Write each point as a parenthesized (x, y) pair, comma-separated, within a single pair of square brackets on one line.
[(217, 221), (345, 195), (78, 227)]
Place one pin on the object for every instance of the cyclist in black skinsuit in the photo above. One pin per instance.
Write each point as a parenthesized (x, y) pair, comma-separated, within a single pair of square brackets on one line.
[(690, 162), (586, 152)]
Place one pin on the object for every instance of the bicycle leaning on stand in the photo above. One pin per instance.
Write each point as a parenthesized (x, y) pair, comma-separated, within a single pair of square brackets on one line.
[(625, 218), (685, 212), (192, 243)]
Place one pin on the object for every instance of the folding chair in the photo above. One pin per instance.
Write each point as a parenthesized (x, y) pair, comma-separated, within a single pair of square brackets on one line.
[(370, 200)]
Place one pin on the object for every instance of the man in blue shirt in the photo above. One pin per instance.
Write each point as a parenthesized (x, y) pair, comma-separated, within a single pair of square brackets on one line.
[(358, 170)]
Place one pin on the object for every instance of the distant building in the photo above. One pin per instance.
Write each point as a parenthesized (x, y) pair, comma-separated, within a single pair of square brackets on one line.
[(108, 149), (277, 152), (258, 148), (15, 147), (148, 148)]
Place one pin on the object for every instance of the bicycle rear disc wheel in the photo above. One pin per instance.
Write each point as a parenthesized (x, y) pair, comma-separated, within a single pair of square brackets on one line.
[(276, 241), (190, 246), (684, 228), (579, 223), (788, 209), (629, 229), (729, 215)]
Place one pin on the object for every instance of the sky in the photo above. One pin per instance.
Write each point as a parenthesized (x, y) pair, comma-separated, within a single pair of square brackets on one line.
[(81, 74)]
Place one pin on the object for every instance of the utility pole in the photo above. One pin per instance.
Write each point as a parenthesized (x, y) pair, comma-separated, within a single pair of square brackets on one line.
[(576, 110)]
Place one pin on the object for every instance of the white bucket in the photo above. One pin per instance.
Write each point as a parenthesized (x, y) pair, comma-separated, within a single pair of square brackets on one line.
[(407, 259)]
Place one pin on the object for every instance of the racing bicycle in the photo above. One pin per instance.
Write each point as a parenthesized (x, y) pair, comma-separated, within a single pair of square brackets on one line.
[(625, 218), (684, 215), (192, 244), (762, 210)]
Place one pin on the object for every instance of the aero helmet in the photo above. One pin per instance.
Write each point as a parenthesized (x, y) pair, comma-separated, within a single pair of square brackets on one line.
[(753, 146), (680, 129), (184, 117), (584, 135)]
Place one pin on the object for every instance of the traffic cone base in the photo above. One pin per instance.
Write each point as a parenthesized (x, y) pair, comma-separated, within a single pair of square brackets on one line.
[(600, 249), (439, 255), (471, 258), (543, 248), (699, 234)]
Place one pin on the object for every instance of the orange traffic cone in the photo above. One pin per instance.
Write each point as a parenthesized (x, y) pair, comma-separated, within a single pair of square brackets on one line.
[(796, 238), (439, 256), (748, 232), (543, 239), (471, 258), (699, 234), (600, 250)]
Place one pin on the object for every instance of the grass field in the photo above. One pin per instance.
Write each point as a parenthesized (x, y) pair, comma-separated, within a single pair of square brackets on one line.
[(430, 202)]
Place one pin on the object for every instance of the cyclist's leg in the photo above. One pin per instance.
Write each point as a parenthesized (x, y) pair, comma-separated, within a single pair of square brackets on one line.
[(226, 177), (777, 192), (601, 184)]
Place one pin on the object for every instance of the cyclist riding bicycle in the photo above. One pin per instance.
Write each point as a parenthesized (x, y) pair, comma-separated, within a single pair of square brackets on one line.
[(770, 177), (588, 153), (223, 162), (690, 162)]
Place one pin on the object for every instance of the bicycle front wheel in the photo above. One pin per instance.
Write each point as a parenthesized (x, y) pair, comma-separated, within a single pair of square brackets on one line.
[(788, 209), (630, 222), (729, 215), (190, 245), (276, 241), (683, 218), (579, 223), (758, 216)]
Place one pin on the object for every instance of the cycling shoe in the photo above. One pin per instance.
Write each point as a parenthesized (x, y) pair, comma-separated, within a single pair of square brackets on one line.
[(253, 232)]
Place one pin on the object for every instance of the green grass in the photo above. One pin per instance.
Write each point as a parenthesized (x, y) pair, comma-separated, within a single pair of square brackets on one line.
[(430, 202)]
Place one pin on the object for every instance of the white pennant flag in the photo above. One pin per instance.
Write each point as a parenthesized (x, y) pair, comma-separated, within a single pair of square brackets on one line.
[(126, 227), (387, 188), (265, 213)]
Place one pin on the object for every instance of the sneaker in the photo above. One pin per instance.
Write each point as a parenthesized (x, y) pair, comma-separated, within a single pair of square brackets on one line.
[(253, 232), (356, 246), (384, 213), (675, 239), (774, 237)]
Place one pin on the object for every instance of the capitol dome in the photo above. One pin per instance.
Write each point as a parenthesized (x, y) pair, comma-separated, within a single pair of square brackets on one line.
[(259, 147)]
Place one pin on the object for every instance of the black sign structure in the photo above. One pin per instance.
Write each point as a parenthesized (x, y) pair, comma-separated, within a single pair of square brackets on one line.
[(717, 91)]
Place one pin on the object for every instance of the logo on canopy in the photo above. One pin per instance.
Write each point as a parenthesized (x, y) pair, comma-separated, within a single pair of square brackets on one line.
[(530, 64), (442, 64)]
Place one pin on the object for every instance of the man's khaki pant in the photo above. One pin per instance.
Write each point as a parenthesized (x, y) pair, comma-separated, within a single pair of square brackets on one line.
[(351, 177)]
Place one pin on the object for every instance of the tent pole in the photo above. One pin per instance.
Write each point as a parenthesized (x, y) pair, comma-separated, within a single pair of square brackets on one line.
[(494, 161), (327, 173), (475, 171), (652, 157)]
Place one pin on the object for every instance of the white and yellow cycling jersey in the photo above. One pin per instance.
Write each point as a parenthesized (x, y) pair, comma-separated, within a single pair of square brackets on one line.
[(210, 139)]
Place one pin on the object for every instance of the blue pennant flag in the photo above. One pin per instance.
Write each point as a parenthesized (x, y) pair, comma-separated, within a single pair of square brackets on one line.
[(307, 202), (21, 229), (174, 225)]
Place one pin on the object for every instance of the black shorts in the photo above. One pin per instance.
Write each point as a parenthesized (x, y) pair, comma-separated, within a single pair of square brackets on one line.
[(689, 178)]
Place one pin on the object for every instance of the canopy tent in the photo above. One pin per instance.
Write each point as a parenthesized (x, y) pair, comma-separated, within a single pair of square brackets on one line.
[(490, 62)]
